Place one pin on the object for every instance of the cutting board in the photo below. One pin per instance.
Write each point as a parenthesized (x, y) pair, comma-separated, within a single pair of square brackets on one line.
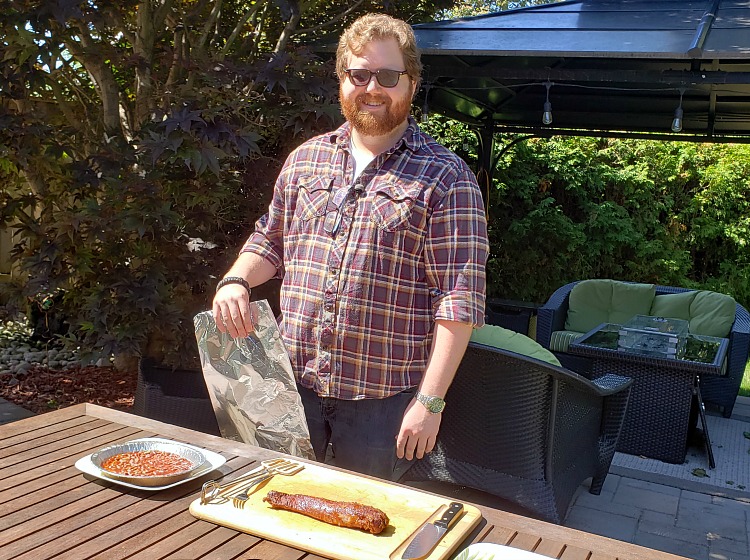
[(407, 510)]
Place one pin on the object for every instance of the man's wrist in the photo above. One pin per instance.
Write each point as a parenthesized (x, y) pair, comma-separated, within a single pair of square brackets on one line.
[(234, 280)]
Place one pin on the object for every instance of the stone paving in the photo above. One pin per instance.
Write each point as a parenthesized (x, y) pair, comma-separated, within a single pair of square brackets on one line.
[(683, 522), (657, 516)]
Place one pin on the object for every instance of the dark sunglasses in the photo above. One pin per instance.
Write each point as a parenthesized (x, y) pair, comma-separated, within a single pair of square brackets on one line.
[(386, 78)]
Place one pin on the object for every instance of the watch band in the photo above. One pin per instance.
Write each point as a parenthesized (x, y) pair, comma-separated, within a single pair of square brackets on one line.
[(233, 280)]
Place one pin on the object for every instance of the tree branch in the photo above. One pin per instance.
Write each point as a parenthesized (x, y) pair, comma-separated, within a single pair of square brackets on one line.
[(286, 33), (209, 25), (120, 24), (103, 78), (238, 28), (258, 21), (143, 48), (178, 57), (160, 14), (331, 21)]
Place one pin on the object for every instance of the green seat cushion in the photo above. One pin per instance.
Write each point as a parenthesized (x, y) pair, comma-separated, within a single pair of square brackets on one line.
[(707, 313), (593, 302), (560, 340), (505, 339)]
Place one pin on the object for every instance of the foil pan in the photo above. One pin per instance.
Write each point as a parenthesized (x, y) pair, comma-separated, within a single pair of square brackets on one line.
[(251, 384), (190, 453)]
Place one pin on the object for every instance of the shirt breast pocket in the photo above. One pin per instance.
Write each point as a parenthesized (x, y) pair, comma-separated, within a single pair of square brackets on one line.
[(392, 206), (312, 198)]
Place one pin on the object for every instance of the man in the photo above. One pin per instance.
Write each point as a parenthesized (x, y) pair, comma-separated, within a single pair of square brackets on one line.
[(380, 238)]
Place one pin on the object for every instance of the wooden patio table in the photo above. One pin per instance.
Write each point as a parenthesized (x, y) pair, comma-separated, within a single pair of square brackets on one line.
[(49, 509)]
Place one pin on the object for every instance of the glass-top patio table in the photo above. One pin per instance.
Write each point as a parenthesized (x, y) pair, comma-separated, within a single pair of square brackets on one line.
[(665, 395)]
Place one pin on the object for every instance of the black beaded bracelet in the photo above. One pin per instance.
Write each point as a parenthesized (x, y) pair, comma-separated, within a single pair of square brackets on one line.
[(233, 280)]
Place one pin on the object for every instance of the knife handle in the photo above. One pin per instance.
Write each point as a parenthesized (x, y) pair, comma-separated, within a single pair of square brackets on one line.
[(450, 515)]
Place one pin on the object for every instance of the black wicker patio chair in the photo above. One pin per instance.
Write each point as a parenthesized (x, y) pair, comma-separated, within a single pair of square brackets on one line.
[(525, 430), (720, 391), (175, 396)]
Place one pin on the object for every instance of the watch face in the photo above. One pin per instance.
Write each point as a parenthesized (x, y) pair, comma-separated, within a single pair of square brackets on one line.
[(438, 405), (435, 404)]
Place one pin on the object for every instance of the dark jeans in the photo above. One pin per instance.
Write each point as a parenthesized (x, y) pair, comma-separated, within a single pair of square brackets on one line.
[(362, 432)]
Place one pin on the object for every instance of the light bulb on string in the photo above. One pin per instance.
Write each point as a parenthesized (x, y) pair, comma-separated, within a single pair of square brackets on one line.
[(426, 107), (678, 113), (425, 113), (547, 114), (677, 121)]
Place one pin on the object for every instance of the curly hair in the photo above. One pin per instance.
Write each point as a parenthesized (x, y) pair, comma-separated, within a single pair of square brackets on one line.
[(375, 27)]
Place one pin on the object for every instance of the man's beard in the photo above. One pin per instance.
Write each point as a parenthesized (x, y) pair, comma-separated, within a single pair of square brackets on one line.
[(368, 124)]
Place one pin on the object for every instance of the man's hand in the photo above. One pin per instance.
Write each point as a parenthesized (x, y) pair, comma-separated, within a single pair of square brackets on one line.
[(418, 433), (231, 309), (231, 305)]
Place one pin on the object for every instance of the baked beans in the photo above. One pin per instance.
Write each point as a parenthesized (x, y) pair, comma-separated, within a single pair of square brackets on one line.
[(147, 463)]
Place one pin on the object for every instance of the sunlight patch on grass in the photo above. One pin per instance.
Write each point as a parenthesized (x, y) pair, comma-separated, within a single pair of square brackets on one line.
[(745, 386)]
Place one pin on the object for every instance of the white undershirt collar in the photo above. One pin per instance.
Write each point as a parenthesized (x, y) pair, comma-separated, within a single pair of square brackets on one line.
[(361, 159)]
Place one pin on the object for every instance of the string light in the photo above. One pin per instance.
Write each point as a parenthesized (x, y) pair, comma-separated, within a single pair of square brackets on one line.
[(678, 113), (547, 114), (426, 106), (677, 121)]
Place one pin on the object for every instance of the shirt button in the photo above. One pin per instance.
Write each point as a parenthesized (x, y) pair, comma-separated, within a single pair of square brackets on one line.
[(326, 336)]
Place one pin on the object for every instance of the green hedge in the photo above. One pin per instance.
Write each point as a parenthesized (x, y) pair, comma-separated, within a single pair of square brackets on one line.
[(564, 209)]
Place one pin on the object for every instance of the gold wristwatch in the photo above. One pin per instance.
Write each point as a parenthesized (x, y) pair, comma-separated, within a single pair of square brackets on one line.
[(430, 402)]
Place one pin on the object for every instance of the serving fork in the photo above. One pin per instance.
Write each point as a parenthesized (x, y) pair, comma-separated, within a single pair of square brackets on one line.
[(273, 467), (212, 488)]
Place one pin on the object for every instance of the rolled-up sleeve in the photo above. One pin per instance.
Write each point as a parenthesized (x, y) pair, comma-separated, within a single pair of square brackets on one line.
[(267, 240), (456, 252)]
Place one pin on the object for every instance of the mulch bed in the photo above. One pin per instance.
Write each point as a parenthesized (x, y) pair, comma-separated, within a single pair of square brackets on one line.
[(42, 389)]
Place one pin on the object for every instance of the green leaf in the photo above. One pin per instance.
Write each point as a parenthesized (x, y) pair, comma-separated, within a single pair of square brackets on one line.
[(183, 119), (700, 473), (211, 155)]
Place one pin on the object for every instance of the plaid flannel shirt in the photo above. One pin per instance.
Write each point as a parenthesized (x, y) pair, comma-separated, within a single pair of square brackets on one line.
[(369, 264)]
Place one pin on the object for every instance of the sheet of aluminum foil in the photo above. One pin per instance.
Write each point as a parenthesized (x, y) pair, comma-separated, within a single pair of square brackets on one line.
[(251, 384)]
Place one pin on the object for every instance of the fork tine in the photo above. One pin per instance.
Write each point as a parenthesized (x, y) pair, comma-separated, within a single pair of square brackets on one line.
[(277, 463), (281, 464), (273, 467)]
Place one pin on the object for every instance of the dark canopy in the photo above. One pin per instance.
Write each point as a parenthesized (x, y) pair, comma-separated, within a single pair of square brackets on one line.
[(612, 68)]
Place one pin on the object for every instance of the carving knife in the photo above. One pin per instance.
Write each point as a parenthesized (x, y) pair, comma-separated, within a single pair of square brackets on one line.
[(431, 532)]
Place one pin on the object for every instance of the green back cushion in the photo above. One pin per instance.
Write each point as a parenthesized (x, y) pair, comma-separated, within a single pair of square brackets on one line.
[(505, 339), (674, 306), (707, 313), (593, 302)]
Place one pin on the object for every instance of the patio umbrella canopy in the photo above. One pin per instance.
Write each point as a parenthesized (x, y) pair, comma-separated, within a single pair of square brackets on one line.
[(621, 68)]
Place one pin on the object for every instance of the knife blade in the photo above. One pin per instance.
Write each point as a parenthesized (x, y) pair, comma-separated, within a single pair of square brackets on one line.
[(431, 532)]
